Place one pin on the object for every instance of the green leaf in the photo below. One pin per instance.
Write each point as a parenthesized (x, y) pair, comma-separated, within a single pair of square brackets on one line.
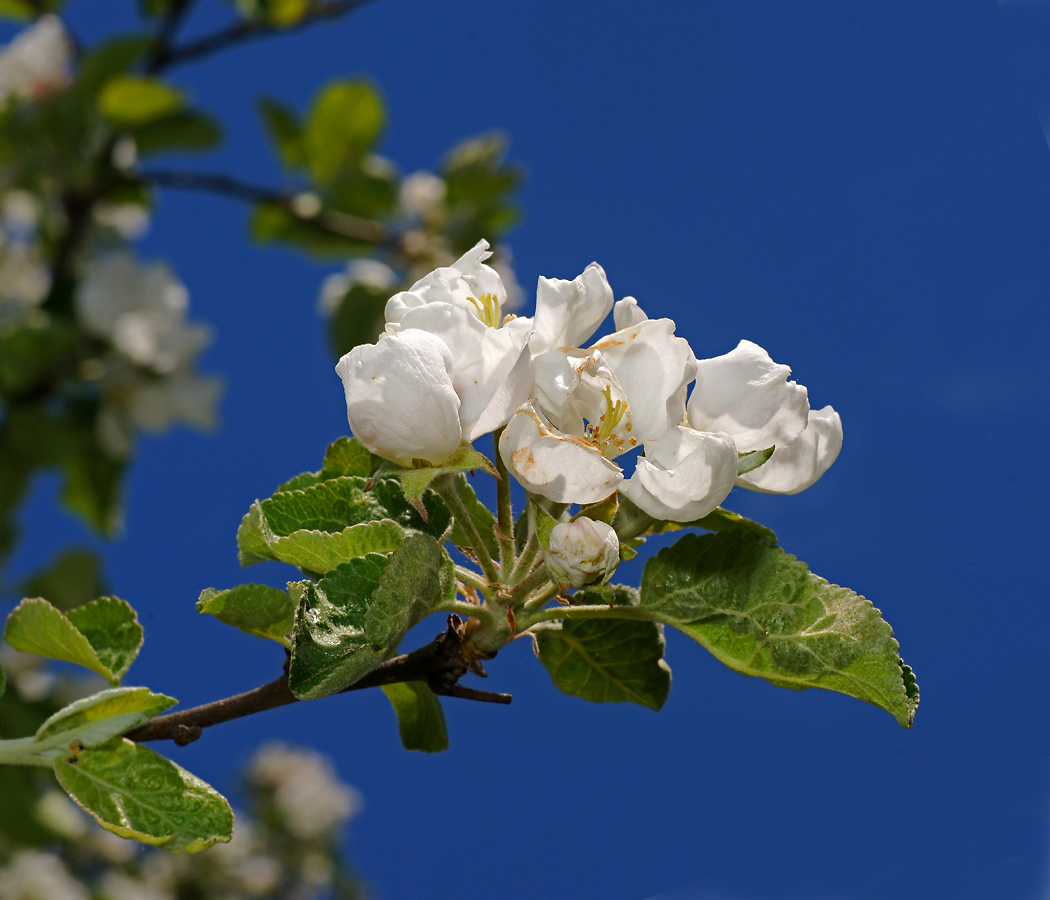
[(479, 514), (607, 660), (465, 459), (187, 130), (274, 222), (330, 506), (748, 462), (329, 648), (95, 719), (19, 10), (420, 718), (721, 520), (255, 609), (358, 319), (418, 578), (137, 793), (105, 60), (103, 636), (322, 551), (346, 456), (344, 122), (602, 511), (132, 100), (762, 612), (3, 681), (282, 125), (112, 629), (543, 523), (72, 579)]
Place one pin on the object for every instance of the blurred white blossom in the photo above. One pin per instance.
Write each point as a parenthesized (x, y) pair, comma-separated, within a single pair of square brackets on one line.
[(422, 195), (306, 789), (369, 272), (142, 310), (129, 220), (35, 62), (31, 875)]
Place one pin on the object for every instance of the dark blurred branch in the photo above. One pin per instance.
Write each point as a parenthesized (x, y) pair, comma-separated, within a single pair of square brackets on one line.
[(249, 30), (326, 219), (440, 664), (161, 52)]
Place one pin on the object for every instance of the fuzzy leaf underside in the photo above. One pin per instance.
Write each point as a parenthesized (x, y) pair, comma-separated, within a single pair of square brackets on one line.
[(137, 793), (607, 660), (762, 612), (258, 609)]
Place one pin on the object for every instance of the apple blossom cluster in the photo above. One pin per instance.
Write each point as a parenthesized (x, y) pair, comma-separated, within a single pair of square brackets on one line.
[(451, 367)]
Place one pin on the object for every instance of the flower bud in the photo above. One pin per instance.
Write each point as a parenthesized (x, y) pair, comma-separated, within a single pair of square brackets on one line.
[(583, 552)]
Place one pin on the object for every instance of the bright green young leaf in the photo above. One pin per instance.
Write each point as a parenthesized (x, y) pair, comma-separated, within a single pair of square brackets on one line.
[(112, 629), (479, 514), (465, 459), (89, 722), (329, 648), (285, 13), (186, 130), (103, 636), (255, 609), (321, 551), (282, 125), (748, 462), (344, 122), (129, 101), (761, 612), (420, 718), (607, 660), (346, 456), (137, 793), (95, 719)]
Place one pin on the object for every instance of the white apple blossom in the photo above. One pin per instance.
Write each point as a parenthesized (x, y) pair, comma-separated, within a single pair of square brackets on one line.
[(142, 310), (32, 875), (35, 62), (449, 368), (583, 552), (422, 195)]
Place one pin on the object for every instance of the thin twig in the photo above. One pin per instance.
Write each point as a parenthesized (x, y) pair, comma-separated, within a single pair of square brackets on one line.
[(250, 30), (166, 34), (440, 664), (327, 220)]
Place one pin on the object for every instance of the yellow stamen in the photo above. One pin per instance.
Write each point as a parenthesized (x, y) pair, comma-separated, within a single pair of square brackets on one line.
[(487, 306)]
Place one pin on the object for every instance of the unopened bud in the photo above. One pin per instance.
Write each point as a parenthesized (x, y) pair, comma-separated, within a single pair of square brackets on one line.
[(583, 552)]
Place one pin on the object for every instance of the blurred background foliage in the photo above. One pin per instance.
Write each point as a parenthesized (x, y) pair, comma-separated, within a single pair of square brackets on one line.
[(97, 346)]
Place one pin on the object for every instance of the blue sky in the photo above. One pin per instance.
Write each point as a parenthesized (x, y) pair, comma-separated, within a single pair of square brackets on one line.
[(863, 189)]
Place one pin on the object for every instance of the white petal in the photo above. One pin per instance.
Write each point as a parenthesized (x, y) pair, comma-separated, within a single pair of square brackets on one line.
[(560, 467), (798, 465), (684, 475), (400, 401), (568, 312), (747, 395), (487, 369), (654, 368), (627, 312)]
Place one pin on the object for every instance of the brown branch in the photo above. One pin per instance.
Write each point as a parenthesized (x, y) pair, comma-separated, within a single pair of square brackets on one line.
[(166, 34), (251, 30), (326, 219), (440, 664)]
